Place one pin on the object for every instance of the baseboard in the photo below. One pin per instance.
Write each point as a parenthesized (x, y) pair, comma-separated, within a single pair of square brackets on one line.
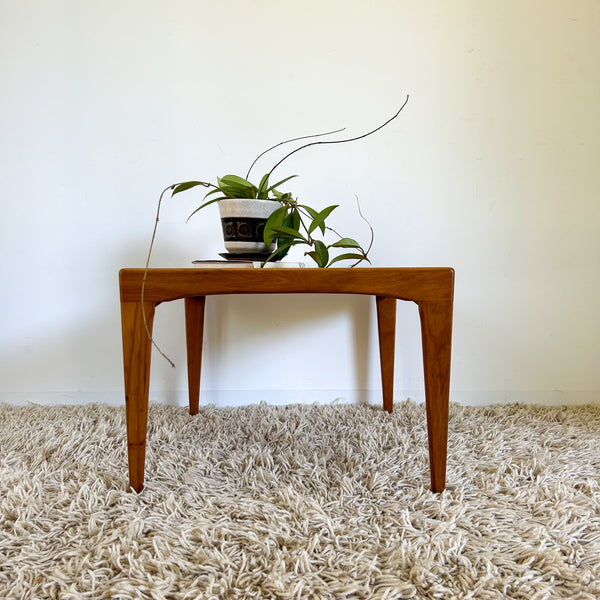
[(180, 397), (113, 398), (542, 397), (279, 397)]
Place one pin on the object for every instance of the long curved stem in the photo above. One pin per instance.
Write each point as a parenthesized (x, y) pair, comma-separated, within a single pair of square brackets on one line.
[(358, 137), (304, 137), (146, 273)]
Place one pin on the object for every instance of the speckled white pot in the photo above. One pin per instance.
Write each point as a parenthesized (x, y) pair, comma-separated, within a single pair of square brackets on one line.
[(243, 221)]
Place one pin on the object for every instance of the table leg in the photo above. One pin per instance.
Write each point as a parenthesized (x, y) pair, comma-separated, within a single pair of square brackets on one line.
[(386, 326), (137, 348), (194, 329), (436, 333)]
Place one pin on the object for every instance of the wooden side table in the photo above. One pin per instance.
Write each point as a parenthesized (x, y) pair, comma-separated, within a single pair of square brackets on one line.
[(431, 288)]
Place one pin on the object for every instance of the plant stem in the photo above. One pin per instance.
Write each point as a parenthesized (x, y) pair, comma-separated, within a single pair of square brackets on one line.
[(304, 137), (146, 273), (359, 137), (365, 252)]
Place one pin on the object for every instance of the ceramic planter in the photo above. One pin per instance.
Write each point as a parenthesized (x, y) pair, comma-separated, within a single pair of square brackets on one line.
[(243, 221)]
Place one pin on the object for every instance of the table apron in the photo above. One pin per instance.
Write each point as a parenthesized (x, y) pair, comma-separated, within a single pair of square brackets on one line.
[(162, 285)]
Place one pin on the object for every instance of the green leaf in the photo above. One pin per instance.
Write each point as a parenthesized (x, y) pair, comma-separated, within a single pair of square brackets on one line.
[(205, 205), (348, 256), (276, 219), (313, 214), (345, 243), (215, 191), (288, 232), (311, 211), (281, 251), (283, 247), (234, 180), (263, 192), (320, 254), (236, 187), (186, 185), (292, 220), (282, 197), (276, 185), (318, 221)]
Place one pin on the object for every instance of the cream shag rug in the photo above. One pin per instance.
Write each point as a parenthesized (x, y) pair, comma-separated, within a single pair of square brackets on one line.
[(300, 502)]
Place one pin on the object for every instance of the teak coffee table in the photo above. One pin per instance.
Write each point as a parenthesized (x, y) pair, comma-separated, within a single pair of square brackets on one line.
[(431, 288)]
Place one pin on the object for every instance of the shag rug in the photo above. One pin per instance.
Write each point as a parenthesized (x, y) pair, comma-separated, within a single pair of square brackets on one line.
[(296, 502)]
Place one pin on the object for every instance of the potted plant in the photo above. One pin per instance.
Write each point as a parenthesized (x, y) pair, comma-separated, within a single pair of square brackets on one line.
[(262, 221), (282, 221)]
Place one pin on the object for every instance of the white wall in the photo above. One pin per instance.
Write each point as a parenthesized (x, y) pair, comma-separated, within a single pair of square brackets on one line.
[(492, 169)]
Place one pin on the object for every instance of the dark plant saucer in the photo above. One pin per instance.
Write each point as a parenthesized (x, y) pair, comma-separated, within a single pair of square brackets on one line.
[(250, 256)]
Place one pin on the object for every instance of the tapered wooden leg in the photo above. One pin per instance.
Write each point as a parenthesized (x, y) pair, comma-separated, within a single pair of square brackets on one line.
[(137, 349), (386, 326), (436, 333), (194, 329)]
